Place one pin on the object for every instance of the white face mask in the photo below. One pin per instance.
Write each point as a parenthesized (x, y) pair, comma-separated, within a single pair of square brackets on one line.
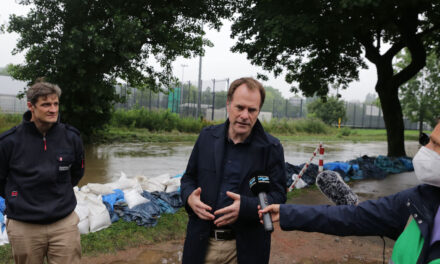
[(427, 166)]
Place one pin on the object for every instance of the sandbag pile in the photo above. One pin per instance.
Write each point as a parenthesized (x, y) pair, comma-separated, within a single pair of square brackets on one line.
[(138, 199), (3, 234)]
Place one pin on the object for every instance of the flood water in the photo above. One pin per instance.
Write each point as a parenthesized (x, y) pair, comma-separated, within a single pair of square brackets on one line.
[(104, 163)]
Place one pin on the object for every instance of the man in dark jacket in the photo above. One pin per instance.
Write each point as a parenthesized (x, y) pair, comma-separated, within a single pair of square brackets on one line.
[(40, 161), (223, 222), (411, 217)]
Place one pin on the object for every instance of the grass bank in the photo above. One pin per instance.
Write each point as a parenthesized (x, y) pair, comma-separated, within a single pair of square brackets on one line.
[(122, 235), (141, 125)]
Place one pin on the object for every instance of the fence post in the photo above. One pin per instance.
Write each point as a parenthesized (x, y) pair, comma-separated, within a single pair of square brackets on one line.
[(286, 108), (378, 118), (363, 114), (301, 108), (213, 99), (371, 116), (354, 115)]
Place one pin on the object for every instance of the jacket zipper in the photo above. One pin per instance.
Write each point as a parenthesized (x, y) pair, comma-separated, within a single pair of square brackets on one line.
[(45, 146)]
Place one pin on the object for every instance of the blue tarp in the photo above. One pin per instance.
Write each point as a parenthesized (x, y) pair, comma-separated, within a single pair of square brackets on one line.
[(361, 168), (2, 205)]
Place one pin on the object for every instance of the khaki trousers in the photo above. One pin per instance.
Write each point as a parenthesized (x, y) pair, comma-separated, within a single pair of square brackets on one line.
[(221, 252), (59, 242)]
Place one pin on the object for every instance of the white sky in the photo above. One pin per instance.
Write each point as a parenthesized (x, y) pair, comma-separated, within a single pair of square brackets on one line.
[(219, 62)]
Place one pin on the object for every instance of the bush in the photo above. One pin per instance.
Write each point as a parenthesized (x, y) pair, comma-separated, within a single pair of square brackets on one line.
[(289, 126), (162, 120), (7, 121)]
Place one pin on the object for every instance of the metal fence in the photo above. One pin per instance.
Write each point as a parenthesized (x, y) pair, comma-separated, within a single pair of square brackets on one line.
[(11, 104), (210, 104)]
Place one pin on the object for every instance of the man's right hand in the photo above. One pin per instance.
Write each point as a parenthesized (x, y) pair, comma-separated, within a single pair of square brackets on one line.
[(199, 208)]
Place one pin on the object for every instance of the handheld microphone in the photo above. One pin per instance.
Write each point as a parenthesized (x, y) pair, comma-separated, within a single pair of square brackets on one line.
[(331, 184), (259, 185)]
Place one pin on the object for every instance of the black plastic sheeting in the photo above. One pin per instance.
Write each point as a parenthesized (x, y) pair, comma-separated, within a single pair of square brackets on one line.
[(364, 167)]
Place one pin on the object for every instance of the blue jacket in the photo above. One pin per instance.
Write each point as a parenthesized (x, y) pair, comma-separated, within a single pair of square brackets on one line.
[(37, 173), (204, 170), (386, 216)]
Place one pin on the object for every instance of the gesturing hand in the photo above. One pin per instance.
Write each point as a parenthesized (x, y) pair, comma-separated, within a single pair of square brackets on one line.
[(200, 209), (229, 213), (273, 209)]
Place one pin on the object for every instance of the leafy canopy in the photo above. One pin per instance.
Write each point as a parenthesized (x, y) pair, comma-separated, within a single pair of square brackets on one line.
[(320, 43), (420, 97), (87, 46)]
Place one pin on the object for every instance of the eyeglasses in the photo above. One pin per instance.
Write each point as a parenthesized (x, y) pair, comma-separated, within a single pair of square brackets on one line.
[(423, 139)]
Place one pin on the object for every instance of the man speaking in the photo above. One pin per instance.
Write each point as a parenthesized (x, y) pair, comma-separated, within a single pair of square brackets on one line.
[(223, 222)]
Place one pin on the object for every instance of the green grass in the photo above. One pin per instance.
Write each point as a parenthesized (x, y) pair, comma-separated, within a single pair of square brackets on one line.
[(122, 235), (9, 120)]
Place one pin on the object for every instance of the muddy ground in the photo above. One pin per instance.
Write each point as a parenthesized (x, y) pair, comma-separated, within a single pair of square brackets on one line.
[(293, 246)]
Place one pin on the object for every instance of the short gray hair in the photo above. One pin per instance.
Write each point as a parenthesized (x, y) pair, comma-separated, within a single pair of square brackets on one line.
[(41, 89)]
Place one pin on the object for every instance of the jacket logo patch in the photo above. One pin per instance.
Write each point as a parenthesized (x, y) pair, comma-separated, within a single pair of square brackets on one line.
[(14, 193), (64, 168)]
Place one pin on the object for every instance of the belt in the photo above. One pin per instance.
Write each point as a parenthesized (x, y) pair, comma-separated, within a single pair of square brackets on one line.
[(222, 234)]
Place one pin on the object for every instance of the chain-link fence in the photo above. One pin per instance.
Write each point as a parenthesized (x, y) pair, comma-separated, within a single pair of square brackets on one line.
[(210, 103), (10, 104)]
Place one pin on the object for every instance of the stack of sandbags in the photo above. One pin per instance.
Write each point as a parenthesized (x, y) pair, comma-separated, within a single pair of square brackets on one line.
[(3, 234), (92, 212)]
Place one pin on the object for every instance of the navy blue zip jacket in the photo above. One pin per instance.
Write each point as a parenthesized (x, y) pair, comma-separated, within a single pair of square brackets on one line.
[(205, 170), (37, 173)]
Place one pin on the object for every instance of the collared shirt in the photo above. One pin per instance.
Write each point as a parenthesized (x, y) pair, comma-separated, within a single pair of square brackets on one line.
[(233, 159)]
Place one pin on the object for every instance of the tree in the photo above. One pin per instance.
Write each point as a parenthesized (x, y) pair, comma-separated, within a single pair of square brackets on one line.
[(321, 43), (420, 96), (87, 46), (329, 111)]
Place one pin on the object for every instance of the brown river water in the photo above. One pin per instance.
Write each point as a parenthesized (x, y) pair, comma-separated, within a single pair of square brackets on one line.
[(104, 163)]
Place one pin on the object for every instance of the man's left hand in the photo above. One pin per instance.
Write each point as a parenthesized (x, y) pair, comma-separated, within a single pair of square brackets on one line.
[(229, 213)]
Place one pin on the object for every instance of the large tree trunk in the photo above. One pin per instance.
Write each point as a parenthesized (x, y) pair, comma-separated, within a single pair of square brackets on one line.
[(393, 118)]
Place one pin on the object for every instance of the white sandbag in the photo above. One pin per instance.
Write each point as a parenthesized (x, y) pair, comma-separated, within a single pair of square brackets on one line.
[(156, 184), (99, 217), (133, 198), (125, 183), (100, 189), (85, 189), (3, 234), (84, 226), (172, 185)]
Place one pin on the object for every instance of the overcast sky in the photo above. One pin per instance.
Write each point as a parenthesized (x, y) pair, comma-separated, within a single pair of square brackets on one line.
[(219, 62)]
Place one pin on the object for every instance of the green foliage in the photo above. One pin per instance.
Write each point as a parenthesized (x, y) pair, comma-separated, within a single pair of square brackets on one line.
[(295, 126), (162, 120), (86, 46), (344, 132), (328, 111), (321, 44), (420, 97), (7, 121)]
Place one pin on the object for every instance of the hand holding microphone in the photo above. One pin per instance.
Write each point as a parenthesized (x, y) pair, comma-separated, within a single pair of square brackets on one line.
[(259, 185)]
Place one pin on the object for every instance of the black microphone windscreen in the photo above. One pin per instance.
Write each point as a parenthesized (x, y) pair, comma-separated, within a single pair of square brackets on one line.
[(334, 188), (259, 183)]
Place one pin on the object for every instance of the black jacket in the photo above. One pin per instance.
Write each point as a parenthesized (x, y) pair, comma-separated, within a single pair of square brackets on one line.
[(204, 170), (37, 173)]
